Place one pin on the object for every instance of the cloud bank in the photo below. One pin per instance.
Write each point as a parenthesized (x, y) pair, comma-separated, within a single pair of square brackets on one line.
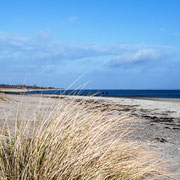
[(40, 48), (41, 55), (139, 56)]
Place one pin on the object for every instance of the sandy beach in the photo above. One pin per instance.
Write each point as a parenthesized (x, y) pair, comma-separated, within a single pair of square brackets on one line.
[(156, 122)]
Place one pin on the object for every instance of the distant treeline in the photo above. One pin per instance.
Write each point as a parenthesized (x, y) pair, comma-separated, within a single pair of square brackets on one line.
[(22, 86)]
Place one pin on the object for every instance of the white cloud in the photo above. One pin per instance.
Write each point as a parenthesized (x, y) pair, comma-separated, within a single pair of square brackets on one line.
[(41, 47), (140, 55), (73, 18), (40, 51)]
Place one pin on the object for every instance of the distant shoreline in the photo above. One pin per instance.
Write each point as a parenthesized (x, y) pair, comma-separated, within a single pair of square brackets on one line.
[(153, 95)]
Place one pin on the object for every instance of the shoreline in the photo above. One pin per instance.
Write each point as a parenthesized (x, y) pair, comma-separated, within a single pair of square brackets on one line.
[(37, 92), (156, 95), (175, 100)]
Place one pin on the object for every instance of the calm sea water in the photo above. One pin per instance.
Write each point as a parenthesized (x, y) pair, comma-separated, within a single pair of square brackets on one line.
[(117, 93)]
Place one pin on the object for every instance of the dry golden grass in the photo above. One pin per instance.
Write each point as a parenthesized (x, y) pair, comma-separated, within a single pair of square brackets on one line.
[(72, 143), (3, 97)]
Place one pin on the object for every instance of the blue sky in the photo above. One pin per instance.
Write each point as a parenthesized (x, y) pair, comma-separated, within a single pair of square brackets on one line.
[(114, 44)]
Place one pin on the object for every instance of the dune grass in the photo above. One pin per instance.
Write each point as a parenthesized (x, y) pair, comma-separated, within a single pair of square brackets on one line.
[(72, 142), (2, 97)]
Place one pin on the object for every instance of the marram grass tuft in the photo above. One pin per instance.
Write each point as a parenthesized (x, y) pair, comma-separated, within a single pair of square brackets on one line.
[(3, 97), (72, 142)]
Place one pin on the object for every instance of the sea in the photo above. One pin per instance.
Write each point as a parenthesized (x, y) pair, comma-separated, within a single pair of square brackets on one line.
[(113, 93)]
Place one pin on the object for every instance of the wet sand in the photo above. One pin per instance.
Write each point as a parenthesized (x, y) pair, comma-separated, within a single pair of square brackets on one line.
[(156, 121)]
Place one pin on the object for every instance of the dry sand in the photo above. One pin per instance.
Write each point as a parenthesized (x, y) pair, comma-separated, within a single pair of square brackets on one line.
[(156, 121)]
